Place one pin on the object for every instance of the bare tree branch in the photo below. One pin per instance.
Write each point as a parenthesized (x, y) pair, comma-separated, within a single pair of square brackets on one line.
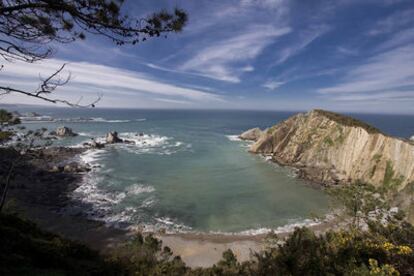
[(48, 86)]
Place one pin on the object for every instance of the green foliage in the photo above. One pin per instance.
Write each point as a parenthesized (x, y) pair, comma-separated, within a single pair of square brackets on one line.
[(391, 182), (341, 138), (384, 246), (43, 23), (328, 141), (347, 121), (25, 249), (362, 202), (6, 118), (377, 157), (5, 136), (145, 256)]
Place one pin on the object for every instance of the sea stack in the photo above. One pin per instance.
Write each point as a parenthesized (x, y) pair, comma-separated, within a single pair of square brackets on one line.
[(112, 138), (64, 132), (330, 149)]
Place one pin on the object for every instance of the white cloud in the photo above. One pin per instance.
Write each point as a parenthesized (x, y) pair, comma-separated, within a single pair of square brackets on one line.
[(220, 60), (380, 97), (272, 85), (347, 51), (268, 4), (247, 68), (401, 38), (304, 39), (89, 79), (180, 102), (392, 23), (390, 70)]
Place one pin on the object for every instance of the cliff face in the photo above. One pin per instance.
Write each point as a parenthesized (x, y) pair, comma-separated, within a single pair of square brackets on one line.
[(333, 149)]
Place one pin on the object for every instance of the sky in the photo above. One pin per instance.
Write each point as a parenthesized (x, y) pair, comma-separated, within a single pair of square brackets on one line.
[(340, 55)]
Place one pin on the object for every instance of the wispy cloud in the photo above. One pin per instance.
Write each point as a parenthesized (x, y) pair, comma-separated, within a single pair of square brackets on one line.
[(89, 79), (347, 51), (390, 70), (303, 39), (222, 60), (378, 97), (395, 21), (401, 38), (273, 85), (279, 5)]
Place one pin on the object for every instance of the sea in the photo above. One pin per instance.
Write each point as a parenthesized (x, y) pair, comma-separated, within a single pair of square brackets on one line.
[(188, 172)]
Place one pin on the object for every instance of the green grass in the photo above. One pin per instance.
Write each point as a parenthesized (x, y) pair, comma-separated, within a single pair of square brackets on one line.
[(347, 121), (389, 181)]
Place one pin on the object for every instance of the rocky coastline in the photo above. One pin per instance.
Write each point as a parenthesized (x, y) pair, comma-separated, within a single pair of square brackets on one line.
[(331, 149)]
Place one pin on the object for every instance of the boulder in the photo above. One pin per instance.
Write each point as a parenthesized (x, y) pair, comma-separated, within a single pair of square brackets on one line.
[(251, 134), (96, 145), (55, 169), (112, 137), (75, 168), (64, 132)]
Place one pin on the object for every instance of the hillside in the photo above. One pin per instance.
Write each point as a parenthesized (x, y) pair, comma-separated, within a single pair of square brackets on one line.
[(330, 148)]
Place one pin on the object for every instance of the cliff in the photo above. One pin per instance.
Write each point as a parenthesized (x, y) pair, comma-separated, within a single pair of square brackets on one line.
[(330, 148)]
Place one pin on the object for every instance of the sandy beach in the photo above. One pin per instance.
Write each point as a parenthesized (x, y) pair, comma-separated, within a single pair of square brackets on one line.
[(45, 200)]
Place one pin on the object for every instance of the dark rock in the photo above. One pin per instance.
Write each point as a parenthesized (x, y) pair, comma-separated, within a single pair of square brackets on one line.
[(112, 138), (65, 132)]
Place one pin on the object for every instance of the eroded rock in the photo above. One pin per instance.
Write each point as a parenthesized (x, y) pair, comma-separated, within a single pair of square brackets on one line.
[(64, 132), (251, 134)]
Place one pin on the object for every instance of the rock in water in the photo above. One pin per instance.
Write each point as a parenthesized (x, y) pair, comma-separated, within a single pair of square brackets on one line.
[(96, 145), (112, 137), (330, 148), (251, 134), (64, 132)]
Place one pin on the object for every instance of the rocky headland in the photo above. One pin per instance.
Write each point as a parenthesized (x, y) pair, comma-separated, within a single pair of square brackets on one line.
[(330, 148)]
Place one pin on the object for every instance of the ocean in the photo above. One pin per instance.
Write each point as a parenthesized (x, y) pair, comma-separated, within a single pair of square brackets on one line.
[(188, 172)]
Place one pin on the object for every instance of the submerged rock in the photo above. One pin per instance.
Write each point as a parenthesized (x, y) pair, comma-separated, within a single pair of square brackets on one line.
[(63, 132), (330, 148), (251, 134)]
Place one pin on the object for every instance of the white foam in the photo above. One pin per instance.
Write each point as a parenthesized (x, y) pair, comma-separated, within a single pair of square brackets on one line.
[(91, 156), (234, 138), (151, 144), (100, 120), (137, 189)]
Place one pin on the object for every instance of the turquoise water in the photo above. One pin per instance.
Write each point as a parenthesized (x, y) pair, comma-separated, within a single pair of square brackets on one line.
[(187, 173)]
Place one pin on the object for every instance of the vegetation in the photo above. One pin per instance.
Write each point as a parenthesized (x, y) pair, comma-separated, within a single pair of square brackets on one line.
[(24, 145), (378, 242), (347, 121), (328, 141), (27, 250), (390, 181)]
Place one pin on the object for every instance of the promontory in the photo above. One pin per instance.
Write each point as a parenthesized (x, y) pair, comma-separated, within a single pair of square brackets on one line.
[(330, 148)]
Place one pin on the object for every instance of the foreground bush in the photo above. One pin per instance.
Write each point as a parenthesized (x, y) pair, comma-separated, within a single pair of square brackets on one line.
[(27, 250), (380, 250)]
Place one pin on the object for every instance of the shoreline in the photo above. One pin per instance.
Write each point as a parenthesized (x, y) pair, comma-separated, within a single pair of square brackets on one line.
[(197, 249)]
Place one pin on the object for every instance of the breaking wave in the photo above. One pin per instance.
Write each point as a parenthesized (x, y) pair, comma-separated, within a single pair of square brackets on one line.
[(234, 138)]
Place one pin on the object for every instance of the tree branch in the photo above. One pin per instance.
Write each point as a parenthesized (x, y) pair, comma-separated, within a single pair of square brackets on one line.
[(48, 86)]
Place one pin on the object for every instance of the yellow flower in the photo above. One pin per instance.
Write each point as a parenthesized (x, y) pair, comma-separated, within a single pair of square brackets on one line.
[(404, 250)]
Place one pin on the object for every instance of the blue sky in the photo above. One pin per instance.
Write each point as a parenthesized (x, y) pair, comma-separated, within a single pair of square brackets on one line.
[(343, 55)]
